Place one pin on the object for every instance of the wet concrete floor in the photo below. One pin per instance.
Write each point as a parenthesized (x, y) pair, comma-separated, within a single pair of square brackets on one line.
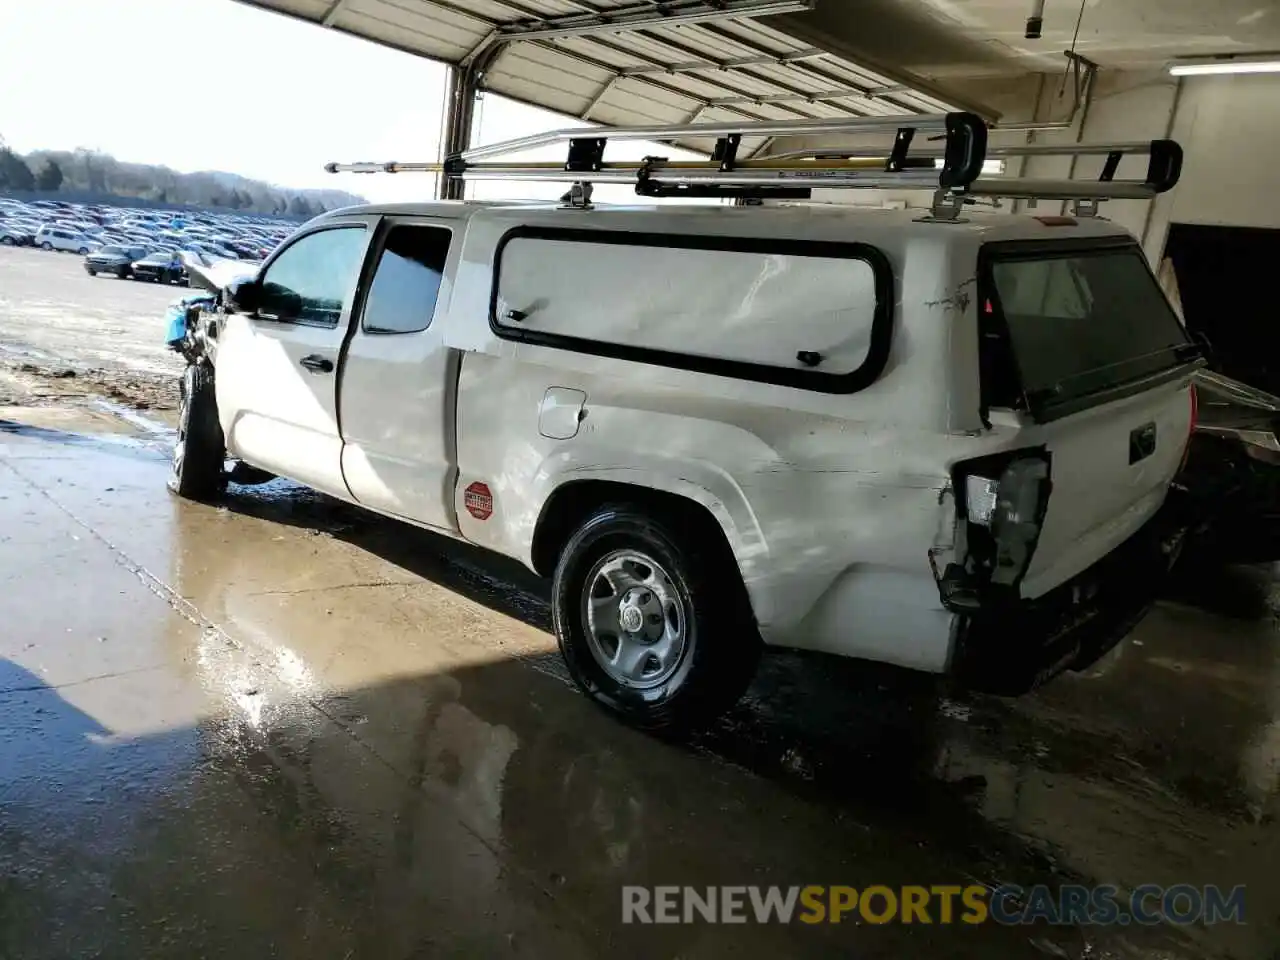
[(280, 727)]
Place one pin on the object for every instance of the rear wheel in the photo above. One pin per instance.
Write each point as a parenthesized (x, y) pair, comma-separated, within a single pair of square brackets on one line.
[(83, 251), (7, 241), (46, 245), (653, 625), (123, 273), (199, 451)]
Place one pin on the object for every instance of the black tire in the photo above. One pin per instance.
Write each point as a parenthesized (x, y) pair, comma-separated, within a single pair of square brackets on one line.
[(7, 241), (199, 452), (46, 245), (83, 251), (722, 645), (92, 273), (123, 273)]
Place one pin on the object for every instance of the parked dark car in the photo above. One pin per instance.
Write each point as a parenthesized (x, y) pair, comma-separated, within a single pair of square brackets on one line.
[(113, 258), (160, 268), (12, 235), (1233, 471)]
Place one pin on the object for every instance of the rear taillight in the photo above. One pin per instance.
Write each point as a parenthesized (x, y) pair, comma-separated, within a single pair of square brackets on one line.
[(1005, 499)]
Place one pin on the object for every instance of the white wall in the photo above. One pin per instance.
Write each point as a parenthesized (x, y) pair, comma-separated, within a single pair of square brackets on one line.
[(1123, 107), (1229, 128)]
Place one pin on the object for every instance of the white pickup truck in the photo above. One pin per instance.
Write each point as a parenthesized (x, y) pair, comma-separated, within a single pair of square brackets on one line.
[(940, 445)]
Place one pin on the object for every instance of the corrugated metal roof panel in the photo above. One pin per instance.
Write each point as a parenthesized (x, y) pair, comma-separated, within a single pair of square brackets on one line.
[(380, 20), (729, 69), (567, 85)]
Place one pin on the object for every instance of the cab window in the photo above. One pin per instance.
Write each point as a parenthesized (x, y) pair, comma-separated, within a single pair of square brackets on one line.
[(406, 283), (311, 281)]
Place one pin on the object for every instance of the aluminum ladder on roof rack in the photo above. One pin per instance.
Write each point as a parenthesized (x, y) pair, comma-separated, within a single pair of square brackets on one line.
[(952, 170), (1164, 168), (963, 137)]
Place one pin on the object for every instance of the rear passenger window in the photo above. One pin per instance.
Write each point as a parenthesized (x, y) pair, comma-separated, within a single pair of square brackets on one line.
[(406, 283)]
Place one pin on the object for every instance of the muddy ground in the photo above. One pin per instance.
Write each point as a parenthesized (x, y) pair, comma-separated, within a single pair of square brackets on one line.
[(68, 338)]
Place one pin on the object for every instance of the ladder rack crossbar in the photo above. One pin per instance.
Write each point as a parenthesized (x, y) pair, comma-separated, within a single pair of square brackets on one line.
[(923, 123), (954, 168), (1016, 188), (993, 152)]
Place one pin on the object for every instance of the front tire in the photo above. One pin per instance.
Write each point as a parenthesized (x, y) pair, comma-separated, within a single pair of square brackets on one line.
[(92, 273), (199, 452), (46, 245), (653, 625)]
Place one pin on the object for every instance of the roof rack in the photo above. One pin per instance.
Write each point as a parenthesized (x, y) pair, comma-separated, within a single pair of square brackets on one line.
[(952, 169), (1164, 167), (963, 137)]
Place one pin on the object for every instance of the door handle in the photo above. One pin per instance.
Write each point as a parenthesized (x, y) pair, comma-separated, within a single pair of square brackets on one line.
[(317, 364)]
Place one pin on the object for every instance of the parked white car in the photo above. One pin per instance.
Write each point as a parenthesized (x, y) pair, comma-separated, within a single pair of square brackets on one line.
[(62, 238), (940, 445)]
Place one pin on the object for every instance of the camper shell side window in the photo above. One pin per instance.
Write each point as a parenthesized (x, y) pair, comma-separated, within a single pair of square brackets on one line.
[(815, 315)]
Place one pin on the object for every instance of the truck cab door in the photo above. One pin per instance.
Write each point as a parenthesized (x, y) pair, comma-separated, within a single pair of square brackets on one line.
[(399, 379), (277, 368)]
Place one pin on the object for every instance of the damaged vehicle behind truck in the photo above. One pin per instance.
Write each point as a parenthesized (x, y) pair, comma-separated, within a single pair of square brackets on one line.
[(944, 443)]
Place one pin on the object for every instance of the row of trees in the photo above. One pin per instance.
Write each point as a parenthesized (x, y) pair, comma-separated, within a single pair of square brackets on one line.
[(88, 171)]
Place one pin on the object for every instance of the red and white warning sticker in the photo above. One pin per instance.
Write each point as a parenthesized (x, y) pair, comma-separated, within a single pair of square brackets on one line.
[(478, 499)]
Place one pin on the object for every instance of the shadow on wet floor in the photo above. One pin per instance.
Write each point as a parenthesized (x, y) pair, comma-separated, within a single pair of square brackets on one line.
[(871, 744), (497, 582), (1241, 592), (856, 733), (479, 813)]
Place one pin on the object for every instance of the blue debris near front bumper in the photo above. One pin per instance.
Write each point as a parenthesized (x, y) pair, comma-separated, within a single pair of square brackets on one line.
[(176, 317)]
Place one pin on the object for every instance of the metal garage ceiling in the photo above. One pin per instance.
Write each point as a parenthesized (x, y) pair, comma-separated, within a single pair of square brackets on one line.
[(631, 61), (945, 39)]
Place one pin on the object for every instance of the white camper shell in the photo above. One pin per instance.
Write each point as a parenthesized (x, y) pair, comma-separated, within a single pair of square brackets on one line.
[(943, 443)]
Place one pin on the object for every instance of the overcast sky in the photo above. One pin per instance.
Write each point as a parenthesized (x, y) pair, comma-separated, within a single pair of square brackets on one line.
[(134, 78)]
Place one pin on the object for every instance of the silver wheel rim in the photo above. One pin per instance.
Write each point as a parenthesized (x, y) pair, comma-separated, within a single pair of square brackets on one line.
[(636, 623)]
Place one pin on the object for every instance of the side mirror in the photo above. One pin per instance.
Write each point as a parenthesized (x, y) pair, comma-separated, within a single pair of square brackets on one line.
[(244, 296)]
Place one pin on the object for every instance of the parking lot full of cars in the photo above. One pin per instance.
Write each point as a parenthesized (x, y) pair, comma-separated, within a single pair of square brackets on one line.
[(138, 244)]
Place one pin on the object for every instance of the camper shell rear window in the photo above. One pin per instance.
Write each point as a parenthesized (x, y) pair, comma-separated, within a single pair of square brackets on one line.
[(1065, 325)]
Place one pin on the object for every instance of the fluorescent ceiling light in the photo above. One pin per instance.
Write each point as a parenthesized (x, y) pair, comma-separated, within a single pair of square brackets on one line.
[(1207, 67)]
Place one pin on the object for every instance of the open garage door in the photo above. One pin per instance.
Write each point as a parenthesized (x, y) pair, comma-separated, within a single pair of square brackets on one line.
[(1226, 280), (629, 62)]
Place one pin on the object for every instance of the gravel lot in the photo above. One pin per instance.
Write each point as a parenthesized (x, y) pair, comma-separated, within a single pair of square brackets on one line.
[(68, 337)]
